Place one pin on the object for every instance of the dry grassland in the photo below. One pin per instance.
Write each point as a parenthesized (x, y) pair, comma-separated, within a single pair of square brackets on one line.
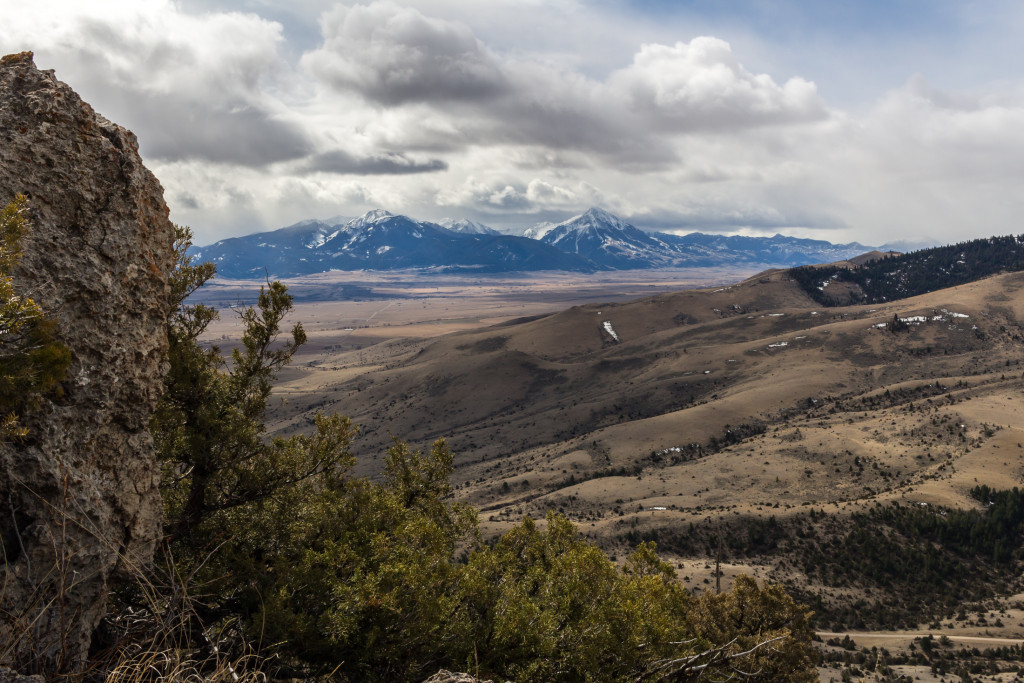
[(688, 414)]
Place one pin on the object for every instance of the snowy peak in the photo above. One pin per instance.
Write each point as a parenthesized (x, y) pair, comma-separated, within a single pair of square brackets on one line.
[(538, 231), (592, 219), (322, 234), (599, 223), (608, 240), (598, 218), (467, 227), (369, 218), (309, 223), (376, 215)]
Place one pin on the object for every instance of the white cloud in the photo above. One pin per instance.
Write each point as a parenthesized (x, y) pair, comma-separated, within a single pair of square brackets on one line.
[(701, 85), (396, 56), (496, 195), (927, 163)]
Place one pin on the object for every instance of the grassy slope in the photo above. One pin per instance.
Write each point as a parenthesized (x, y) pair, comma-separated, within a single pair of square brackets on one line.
[(736, 409)]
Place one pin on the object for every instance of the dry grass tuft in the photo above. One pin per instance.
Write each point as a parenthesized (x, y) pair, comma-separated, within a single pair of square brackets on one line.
[(153, 630), (158, 635)]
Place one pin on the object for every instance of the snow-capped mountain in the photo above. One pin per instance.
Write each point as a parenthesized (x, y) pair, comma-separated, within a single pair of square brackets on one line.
[(467, 227), (379, 240), (609, 241), (369, 218), (539, 230), (594, 240)]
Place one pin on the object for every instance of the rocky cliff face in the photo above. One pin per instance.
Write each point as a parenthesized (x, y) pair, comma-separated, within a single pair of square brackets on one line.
[(79, 498)]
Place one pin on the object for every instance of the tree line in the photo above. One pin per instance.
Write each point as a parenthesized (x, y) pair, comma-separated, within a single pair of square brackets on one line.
[(905, 275)]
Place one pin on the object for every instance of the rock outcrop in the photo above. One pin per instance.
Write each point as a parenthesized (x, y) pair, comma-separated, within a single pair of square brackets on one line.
[(78, 498)]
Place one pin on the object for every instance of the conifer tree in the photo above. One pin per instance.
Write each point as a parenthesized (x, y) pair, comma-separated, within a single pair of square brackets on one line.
[(209, 427), (31, 361)]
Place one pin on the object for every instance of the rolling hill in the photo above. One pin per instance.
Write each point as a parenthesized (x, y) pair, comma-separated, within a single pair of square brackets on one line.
[(799, 437)]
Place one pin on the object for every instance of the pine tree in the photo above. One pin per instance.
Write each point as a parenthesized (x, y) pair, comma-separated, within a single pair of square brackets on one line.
[(209, 427)]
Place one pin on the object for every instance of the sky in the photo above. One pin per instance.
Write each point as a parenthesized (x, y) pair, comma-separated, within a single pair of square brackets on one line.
[(878, 121)]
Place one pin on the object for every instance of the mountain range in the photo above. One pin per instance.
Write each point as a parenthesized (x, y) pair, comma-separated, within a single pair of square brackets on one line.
[(592, 241)]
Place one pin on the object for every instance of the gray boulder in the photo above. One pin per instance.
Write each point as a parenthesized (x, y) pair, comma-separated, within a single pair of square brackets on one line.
[(78, 498)]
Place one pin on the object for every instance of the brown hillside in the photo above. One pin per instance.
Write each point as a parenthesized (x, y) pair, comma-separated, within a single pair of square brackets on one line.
[(715, 408)]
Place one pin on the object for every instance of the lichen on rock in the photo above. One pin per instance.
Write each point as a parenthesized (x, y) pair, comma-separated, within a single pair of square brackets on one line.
[(78, 497)]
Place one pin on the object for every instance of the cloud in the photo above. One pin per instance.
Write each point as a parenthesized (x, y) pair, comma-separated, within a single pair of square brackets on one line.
[(496, 195), (388, 163), (394, 55), (922, 131), (922, 162), (173, 129), (220, 201), (190, 86), (701, 85), (713, 216)]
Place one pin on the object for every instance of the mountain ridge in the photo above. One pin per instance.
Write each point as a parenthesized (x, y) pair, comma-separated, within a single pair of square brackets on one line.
[(592, 241), (380, 240)]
